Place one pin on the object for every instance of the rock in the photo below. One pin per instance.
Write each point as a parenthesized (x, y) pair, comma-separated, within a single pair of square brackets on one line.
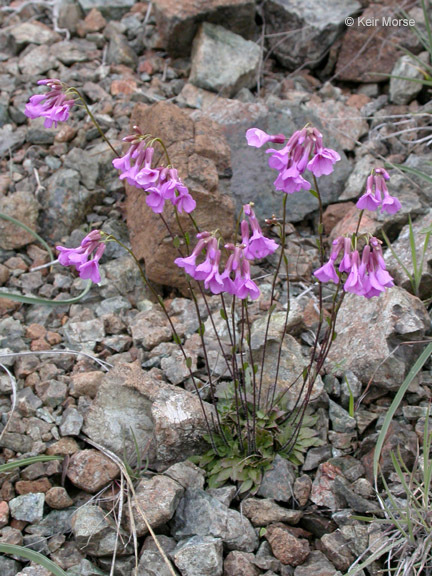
[(23, 207), (316, 456), (111, 9), (402, 248), (202, 515), (316, 564), (86, 164), (91, 470), (302, 489), (93, 22), (224, 494), (58, 498), (285, 546), (381, 52), (8, 567), (353, 500), (11, 139), (321, 26), (34, 570), (4, 514), (28, 507), (357, 180), (394, 317), (399, 438), (152, 242), (186, 474), (84, 334), (222, 61), (37, 61), (119, 51), (149, 328), (323, 493), (403, 91), (278, 481), (337, 550), (71, 422), (340, 120), (32, 486), (199, 556), (27, 402), (340, 419), (167, 422), (251, 174), (96, 534), (151, 563), (69, 15), (33, 33), (177, 23), (262, 512), (85, 383), (158, 499), (240, 564), (65, 203)]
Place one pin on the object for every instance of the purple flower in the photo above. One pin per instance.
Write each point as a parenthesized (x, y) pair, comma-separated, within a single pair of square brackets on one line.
[(258, 246), (244, 286), (327, 273), (79, 257), (257, 138), (322, 162), (54, 106), (377, 194), (155, 199)]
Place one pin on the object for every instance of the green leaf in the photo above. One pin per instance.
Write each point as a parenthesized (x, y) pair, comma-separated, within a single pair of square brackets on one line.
[(223, 314), (187, 238), (177, 339), (26, 462), (262, 532), (33, 556), (314, 193), (245, 486), (176, 242), (189, 362), (201, 329)]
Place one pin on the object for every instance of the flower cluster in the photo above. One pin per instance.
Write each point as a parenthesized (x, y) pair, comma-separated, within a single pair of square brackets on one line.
[(235, 279), (161, 183), (304, 150), (79, 257), (366, 274), (54, 106), (377, 195)]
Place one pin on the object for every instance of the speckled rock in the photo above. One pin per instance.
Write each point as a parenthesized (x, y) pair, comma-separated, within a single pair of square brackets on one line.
[(91, 470), (24, 207), (285, 546), (158, 498), (262, 512), (200, 514), (199, 556), (28, 507), (394, 317)]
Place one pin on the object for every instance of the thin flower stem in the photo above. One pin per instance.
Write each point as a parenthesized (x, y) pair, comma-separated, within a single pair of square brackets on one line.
[(165, 311), (243, 375), (272, 297), (93, 119), (254, 387)]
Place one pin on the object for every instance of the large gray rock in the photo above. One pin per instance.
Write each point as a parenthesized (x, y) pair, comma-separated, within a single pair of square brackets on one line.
[(177, 22), (403, 91), (199, 514), (310, 28), (167, 422), (252, 179), (199, 556), (222, 61), (369, 330)]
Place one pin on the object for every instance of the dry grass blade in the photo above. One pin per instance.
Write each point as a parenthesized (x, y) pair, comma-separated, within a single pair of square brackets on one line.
[(14, 397), (105, 365), (131, 488)]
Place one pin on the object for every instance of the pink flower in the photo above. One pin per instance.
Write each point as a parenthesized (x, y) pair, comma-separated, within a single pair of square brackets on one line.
[(257, 138), (258, 246), (79, 257), (327, 273), (377, 194), (54, 106), (155, 199), (322, 162)]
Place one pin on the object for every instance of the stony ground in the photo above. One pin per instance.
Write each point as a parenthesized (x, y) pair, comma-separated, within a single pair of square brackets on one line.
[(135, 64)]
